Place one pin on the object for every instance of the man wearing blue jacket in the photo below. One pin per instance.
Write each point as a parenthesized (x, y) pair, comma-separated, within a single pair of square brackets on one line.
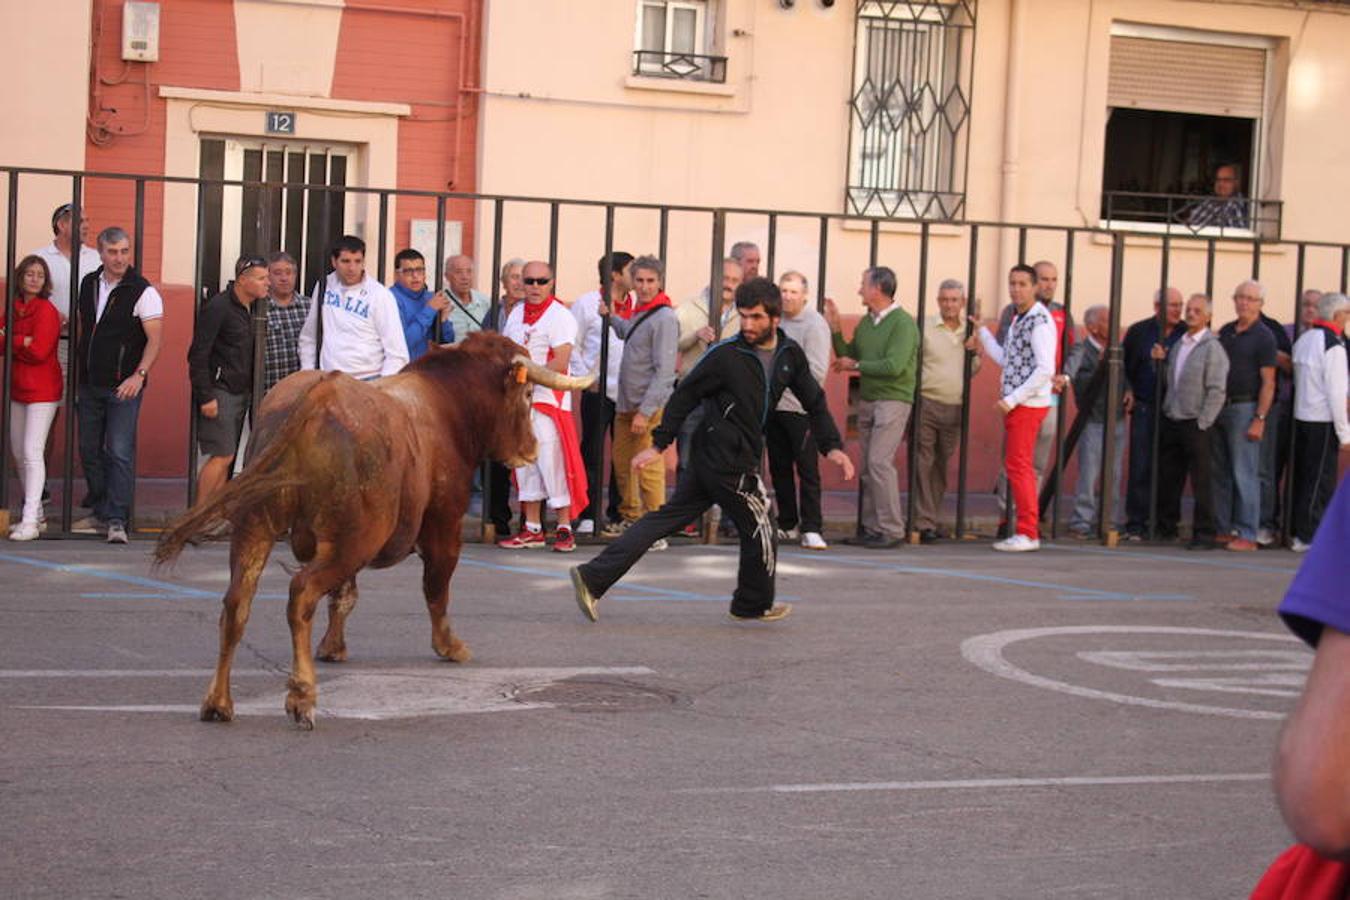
[(418, 307)]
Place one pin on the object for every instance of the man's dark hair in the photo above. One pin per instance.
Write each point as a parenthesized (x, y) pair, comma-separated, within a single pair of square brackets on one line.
[(408, 253), (883, 279), (617, 261), (1023, 267), (759, 291), (350, 243)]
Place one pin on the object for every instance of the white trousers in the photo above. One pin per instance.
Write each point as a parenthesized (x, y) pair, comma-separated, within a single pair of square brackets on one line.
[(546, 477), (28, 427)]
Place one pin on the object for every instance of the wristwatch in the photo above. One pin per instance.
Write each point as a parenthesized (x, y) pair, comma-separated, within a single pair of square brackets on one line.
[(1260, 417), (142, 373)]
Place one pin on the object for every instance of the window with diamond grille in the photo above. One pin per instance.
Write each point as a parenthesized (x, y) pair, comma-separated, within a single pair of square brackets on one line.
[(910, 108)]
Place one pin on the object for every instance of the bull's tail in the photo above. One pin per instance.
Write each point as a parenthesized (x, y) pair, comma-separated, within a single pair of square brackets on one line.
[(256, 492)]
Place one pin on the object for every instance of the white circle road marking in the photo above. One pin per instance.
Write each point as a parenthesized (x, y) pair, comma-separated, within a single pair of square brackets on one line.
[(986, 651)]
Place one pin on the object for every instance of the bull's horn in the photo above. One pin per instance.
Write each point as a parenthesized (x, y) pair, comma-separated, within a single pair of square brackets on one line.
[(550, 379)]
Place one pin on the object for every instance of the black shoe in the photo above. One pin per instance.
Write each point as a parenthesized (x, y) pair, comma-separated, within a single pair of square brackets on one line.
[(928, 536), (881, 542), (862, 538)]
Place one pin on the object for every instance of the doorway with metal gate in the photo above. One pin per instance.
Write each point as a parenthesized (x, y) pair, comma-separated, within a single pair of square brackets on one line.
[(301, 210)]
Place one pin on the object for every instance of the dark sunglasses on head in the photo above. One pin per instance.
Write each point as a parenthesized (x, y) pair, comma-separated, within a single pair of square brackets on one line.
[(249, 262), (536, 280)]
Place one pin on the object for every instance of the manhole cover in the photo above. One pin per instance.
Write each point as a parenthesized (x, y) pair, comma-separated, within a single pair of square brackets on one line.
[(593, 695)]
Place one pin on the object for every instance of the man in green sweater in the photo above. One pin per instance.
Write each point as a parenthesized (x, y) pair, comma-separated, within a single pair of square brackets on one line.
[(884, 352)]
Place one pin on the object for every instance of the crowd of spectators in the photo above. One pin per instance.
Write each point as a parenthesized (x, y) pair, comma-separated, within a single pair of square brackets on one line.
[(1223, 403)]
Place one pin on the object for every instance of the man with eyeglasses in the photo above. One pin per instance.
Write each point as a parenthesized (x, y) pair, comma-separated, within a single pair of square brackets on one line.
[(220, 367), (419, 308), (468, 309), (547, 331), (355, 326)]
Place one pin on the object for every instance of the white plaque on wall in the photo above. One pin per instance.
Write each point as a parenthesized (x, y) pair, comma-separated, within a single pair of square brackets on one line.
[(423, 239)]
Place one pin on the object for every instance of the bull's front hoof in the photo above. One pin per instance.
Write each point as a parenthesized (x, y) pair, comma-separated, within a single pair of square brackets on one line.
[(301, 710), (457, 651), (217, 710)]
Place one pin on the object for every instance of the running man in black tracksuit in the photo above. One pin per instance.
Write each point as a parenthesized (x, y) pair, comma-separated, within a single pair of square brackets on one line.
[(737, 382)]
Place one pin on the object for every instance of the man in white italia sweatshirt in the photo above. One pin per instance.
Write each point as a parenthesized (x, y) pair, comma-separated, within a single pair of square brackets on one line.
[(360, 332)]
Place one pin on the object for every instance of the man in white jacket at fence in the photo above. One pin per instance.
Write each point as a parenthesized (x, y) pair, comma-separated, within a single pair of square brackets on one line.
[(360, 332)]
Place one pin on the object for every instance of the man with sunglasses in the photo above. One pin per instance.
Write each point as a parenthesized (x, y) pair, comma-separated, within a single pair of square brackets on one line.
[(220, 367), (547, 331)]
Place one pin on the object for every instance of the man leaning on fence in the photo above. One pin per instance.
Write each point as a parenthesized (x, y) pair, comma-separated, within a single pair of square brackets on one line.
[(1320, 421), (120, 329), (1086, 368), (469, 308), (884, 352), (220, 368), (1141, 389)]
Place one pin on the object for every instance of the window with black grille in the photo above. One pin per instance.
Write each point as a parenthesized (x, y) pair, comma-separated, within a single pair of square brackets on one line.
[(910, 109)]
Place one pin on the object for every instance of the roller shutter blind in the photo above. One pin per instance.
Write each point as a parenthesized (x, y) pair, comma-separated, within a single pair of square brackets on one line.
[(1182, 76)]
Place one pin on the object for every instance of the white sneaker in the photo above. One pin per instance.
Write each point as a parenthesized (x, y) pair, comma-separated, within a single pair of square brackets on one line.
[(25, 531), (1018, 543), (788, 534), (585, 526), (1265, 537), (813, 541), (1298, 546), (661, 544), (117, 533)]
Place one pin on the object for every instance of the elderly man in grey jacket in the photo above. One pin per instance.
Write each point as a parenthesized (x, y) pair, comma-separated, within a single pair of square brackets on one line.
[(1195, 376), (650, 332)]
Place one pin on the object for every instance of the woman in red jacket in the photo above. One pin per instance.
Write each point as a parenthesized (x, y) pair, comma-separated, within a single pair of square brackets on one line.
[(35, 393)]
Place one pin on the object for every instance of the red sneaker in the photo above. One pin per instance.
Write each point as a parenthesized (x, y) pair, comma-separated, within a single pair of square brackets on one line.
[(525, 540), (563, 541)]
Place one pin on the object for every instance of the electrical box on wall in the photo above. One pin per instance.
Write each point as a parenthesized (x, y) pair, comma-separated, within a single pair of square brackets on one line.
[(140, 31)]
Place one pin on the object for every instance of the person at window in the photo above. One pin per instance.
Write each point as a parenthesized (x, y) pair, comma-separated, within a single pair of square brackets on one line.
[(287, 310), (792, 454), (1141, 385), (220, 368), (884, 351), (597, 411), (35, 388), (1195, 375), (356, 327), (1238, 430), (1086, 357), (1321, 426), (1228, 208), (468, 307), (419, 308), (1025, 389), (939, 427), (121, 326)]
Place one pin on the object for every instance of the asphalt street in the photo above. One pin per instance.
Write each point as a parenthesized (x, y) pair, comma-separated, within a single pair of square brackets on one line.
[(935, 722)]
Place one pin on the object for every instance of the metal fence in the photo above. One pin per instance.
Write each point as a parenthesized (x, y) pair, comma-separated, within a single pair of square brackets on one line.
[(841, 244)]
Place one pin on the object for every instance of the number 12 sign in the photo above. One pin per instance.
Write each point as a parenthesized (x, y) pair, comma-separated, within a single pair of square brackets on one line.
[(280, 122)]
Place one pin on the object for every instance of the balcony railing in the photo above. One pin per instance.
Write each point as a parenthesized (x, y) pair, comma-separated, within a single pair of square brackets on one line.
[(1191, 214), (683, 66)]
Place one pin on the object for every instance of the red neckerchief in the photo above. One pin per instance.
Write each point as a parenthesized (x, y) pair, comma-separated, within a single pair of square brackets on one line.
[(627, 310), (534, 312), (1330, 326)]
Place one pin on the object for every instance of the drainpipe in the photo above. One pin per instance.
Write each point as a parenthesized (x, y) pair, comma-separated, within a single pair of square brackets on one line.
[(1008, 193)]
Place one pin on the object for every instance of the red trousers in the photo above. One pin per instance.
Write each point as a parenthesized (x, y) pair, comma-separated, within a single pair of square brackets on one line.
[(1022, 425)]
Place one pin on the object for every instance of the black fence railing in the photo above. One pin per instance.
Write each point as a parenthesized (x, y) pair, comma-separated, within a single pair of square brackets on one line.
[(1188, 214), (684, 66), (922, 260)]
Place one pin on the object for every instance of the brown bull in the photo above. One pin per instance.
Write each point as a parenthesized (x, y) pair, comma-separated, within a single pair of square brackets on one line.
[(362, 474)]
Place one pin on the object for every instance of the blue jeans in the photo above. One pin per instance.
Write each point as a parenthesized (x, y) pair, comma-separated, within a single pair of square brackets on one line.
[(1236, 470), (1090, 449), (108, 449)]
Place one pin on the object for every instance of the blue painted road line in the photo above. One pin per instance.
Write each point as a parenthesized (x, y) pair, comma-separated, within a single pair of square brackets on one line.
[(76, 569), (664, 593), (1217, 558)]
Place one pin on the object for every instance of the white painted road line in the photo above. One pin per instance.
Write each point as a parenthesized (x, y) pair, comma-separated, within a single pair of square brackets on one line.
[(966, 784), (986, 651)]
